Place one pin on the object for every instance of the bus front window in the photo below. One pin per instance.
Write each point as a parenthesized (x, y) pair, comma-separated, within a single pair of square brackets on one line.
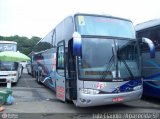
[(96, 54), (8, 66), (91, 25), (128, 58), (98, 59)]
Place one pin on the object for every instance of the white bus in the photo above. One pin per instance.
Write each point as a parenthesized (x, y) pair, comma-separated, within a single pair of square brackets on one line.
[(9, 70), (91, 60)]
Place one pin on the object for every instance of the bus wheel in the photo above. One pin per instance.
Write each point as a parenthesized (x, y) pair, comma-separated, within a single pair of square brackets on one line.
[(38, 79), (14, 84)]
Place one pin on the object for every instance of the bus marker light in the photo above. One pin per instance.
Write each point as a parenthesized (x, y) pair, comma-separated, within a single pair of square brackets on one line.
[(137, 87)]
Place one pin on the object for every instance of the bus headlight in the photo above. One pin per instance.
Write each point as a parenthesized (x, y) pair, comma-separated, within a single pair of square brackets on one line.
[(89, 91), (137, 87)]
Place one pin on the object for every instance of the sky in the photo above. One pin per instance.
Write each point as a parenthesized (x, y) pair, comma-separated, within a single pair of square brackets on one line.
[(38, 17)]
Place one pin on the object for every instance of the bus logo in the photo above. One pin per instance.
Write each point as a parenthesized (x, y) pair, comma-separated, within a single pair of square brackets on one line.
[(100, 85)]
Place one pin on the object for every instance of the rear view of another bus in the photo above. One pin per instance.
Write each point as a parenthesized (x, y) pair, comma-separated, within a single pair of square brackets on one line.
[(9, 70), (150, 67)]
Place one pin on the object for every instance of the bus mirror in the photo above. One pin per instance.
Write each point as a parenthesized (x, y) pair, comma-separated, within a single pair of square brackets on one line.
[(151, 46), (77, 44)]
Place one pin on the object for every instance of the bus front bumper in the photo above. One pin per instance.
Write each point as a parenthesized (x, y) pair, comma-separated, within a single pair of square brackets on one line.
[(86, 100)]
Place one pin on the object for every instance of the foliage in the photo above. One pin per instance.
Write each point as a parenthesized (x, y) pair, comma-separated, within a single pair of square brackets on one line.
[(24, 44), (42, 46)]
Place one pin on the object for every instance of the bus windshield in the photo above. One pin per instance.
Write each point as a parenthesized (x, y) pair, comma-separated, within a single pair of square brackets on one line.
[(99, 60), (8, 66), (104, 26)]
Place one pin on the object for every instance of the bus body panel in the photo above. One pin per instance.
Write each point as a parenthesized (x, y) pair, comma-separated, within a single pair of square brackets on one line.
[(85, 100), (113, 87), (29, 67), (5, 75), (109, 92), (150, 67), (151, 75)]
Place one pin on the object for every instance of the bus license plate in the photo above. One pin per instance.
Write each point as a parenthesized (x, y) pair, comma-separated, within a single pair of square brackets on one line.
[(117, 99)]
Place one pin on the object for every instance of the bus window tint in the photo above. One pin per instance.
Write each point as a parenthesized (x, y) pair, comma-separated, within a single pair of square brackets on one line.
[(95, 25)]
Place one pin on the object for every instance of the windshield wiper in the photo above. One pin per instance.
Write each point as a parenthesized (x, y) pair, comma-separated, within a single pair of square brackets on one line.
[(130, 72), (108, 66)]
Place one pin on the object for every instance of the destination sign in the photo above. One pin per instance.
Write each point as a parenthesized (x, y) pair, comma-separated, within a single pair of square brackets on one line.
[(7, 47)]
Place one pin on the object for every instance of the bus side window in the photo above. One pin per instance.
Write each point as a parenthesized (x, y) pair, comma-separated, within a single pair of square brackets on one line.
[(60, 59)]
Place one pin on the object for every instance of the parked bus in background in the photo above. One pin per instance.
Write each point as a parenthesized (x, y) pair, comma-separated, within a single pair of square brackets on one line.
[(150, 67), (29, 64), (91, 60), (9, 70)]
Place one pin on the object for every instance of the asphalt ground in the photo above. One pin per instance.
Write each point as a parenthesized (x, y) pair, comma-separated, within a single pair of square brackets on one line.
[(32, 100)]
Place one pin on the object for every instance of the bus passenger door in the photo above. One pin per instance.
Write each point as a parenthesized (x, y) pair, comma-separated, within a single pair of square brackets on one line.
[(60, 68), (71, 80)]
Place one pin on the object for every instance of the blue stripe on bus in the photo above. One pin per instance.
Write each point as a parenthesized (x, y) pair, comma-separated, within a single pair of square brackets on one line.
[(52, 85), (48, 82), (153, 77), (150, 84), (129, 85), (154, 63), (50, 77)]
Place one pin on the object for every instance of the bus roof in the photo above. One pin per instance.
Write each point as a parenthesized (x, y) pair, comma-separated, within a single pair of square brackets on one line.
[(101, 14), (85, 13), (147, 24), (12, 42)]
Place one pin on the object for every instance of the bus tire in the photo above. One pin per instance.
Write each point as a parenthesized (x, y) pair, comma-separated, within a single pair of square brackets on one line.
[(38, 78), (14, 83)]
